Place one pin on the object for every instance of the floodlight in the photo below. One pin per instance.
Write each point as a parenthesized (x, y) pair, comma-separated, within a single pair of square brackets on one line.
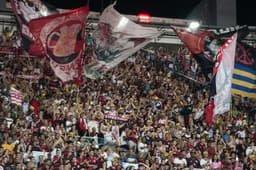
[(194, 25)]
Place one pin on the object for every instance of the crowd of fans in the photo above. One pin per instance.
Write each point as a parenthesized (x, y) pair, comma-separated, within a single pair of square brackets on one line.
[(143, 114), (9, 38)]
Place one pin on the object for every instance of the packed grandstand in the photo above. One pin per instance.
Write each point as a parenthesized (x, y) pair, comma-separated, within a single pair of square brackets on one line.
[(148, 112)]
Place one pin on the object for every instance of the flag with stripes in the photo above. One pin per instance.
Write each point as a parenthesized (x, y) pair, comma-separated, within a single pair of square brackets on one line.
[(244, 76), (113, 117), (220, 91), (16, 96), (224, 71)]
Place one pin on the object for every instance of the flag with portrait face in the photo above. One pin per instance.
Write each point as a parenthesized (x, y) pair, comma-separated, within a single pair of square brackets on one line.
[(61, 37)]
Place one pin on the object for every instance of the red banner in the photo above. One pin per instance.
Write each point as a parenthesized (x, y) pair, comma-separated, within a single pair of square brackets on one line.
[(61, 37), (195, 42)]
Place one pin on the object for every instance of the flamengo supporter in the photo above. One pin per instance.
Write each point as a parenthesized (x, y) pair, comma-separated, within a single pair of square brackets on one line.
[(140, 115)]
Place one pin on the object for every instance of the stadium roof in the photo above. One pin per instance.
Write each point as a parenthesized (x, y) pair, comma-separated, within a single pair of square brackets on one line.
[(169, 9)]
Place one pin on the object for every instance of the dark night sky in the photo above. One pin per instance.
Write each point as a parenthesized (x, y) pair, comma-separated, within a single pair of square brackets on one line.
[(161, 8)]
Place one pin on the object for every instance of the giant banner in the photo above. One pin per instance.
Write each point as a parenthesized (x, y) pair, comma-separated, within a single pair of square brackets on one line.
[(61, 37), (223, 71), (203, 45), (116, 39)]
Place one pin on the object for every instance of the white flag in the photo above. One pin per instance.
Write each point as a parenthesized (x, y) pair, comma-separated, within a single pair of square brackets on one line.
[(224, 71), (116, 39)]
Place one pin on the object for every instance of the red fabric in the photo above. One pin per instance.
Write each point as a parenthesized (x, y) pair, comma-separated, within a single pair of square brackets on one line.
[(209, 113), (82, 125), (35, 105), (218, 62), (34, 50), (194, 42), (211, 152), (62, 37)]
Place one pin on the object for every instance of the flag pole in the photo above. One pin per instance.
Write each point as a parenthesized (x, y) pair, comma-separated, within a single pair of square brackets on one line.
[(231, 108)]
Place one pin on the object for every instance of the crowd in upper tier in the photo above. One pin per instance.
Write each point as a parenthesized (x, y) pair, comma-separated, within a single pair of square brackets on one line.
[(142, 114)]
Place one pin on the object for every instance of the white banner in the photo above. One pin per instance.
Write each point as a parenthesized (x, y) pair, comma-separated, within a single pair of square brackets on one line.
[(225, 66), (16, 96), (116, 39)]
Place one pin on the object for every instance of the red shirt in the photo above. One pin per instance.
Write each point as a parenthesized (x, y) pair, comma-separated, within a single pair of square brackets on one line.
[(211, 152), (35, 104), (56, 162)]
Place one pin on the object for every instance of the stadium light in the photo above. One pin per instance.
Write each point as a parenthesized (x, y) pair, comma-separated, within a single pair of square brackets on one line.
[(144, 17), (194, 25)]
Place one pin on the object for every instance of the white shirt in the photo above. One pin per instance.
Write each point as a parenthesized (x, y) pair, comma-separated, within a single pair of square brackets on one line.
[(141, 147), (68, 125), (203, 162), (115, 130), (9, 122), (179, 161), (122, 141), (108, 137), (250, 149), (25, 107), (242, 133), (110, 158), (113, 79)]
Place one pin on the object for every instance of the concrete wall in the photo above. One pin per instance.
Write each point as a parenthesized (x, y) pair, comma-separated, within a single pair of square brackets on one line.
[(205, 12), (3, 6), (215, 12), (226, 12)]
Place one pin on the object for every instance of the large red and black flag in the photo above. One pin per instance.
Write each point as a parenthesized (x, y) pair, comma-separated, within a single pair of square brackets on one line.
[(227, 32), (203, 45), (25, 11), (61, 38)]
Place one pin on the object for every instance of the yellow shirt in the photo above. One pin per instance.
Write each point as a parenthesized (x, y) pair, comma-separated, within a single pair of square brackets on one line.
[(8, 147)]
